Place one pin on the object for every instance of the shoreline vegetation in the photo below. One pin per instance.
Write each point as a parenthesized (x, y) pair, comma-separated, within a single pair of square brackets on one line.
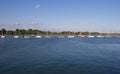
[(34, 32)]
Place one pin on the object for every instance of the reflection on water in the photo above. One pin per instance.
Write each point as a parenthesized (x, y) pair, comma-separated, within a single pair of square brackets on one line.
[(60, 56)]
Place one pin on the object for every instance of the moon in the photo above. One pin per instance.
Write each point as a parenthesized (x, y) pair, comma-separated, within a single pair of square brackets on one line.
[(37, 6)]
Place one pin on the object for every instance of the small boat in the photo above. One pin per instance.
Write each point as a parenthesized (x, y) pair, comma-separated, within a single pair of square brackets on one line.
[(108, 36), (116, 36), (90, 36), (38, 36), (99, 36), (60, 36), (26, 36), (2, 36), (71, 36), (16, 36), (47, 36), (81, 36)]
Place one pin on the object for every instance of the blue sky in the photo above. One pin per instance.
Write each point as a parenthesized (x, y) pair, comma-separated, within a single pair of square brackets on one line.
[(61, 15)]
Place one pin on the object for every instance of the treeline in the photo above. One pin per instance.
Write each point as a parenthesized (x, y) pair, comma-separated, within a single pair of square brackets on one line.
[(39, 32)]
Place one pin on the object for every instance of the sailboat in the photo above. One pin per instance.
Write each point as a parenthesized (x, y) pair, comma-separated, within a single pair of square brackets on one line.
[(2, 36), (99, 36), (16, 36), (38, 35), (71, 36), (47, 36), (90, 36), (81, 36), (61, 36), (26, 36), (108, 35)]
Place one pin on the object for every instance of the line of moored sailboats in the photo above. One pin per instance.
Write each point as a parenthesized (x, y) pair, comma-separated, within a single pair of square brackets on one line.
[(61, 36)]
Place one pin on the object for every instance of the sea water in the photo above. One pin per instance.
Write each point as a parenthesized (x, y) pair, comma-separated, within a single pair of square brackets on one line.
[(59, 55)]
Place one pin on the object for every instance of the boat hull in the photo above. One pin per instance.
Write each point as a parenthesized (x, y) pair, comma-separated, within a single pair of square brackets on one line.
[(38, 37), (71, 36), (2, 37), (16, 36)]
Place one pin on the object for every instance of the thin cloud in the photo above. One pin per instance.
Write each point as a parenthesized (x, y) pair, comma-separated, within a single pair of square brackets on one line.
[(34, 23)]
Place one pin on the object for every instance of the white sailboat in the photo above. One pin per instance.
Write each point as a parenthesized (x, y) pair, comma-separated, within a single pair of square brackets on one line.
[(90, 36), (81, 36), (38, 35), (108, 35), (16, 36), (2, 36), (60, 36), (26, 36), (47, 36), (99, 36), (71, 36)]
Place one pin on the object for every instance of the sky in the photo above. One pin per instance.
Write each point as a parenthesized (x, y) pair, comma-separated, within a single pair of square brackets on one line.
[(61, 15)]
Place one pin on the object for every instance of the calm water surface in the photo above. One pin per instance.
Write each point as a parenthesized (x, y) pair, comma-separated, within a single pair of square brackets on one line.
[(60, 56)]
